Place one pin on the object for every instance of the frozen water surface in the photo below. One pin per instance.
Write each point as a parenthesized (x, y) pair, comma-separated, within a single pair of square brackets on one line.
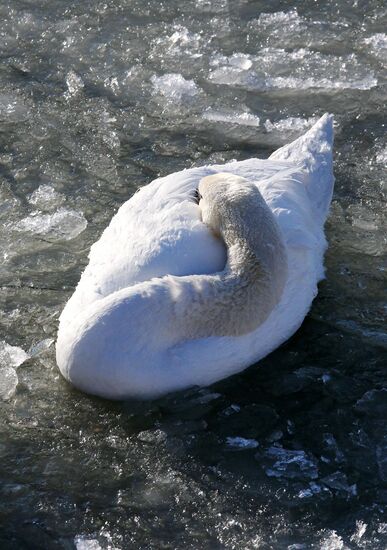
[(97, 98)]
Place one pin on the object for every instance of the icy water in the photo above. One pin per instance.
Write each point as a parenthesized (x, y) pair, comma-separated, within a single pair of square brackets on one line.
[(98, 98)]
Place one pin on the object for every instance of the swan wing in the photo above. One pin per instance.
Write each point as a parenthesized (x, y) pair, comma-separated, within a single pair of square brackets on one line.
[(313, 152), (159, 232)]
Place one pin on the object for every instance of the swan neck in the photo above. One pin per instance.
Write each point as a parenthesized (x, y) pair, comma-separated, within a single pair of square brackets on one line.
[(241, 297)]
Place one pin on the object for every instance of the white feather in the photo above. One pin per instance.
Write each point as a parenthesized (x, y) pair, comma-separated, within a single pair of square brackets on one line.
[(112, 343)]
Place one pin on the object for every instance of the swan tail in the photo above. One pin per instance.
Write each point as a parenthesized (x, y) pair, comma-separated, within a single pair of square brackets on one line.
[(313, 151)]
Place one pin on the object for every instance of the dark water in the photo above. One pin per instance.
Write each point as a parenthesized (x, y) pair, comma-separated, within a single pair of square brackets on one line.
[(98, 98)]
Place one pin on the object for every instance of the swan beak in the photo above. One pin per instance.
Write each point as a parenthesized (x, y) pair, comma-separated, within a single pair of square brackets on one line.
[(197, 196)]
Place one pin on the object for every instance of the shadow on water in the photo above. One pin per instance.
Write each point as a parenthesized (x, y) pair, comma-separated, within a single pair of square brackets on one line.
[(277, 453)]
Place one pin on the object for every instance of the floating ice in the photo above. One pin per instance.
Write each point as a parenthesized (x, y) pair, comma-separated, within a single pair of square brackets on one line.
[(74, 83), (291, 124), (205, 396), (338, 482), (46, 198), (8, 203), (83, 543), (333, 542), (381, 156), (8, 382), (64, 224), (41, 347), (332, 449), (313, 489), (291, 464), (231, 117), (11, 356), (180, 43), (363, 218), (361, 528), (152, 436), (12, 108), (183, 36), (174, 87), (280, 17), (377, 44), (299, 69), (241, 443), (289, 29), (232, 409)]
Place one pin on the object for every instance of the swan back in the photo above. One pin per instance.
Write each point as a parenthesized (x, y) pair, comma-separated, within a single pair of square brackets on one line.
[(121, 334)]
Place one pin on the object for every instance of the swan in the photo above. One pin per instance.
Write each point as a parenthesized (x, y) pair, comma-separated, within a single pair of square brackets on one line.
[(201, 273)]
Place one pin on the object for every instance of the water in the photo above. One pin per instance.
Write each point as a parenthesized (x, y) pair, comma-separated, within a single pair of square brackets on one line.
[(97, 98)]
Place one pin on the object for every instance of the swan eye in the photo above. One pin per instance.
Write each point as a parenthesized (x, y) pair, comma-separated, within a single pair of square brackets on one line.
[(197, 196)]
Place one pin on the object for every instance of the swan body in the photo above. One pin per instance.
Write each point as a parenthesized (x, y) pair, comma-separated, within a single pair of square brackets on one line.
[(178, 294)]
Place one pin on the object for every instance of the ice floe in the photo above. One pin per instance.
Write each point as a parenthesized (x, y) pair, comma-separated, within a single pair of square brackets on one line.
[(11, 357), (302, 69), (174, 87), (65, 224)]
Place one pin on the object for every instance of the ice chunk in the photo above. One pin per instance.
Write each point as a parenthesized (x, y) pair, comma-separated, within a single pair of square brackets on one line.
[(338, 482), (46, 198), (8, 382), (174, 87), (41, 347), (313, 489), (333, 542), (232, 409), (74, 83), (12, 108), (64, 224), (84, 543), (11, 356), (363, 218), (300, 69), (181, 44), (332, 449), (381, 156), (280, 17), (290, 464), (361, 528), (184, 37), (377, 46), (231, 117), (291, 124), (241, 443), (152, 436)]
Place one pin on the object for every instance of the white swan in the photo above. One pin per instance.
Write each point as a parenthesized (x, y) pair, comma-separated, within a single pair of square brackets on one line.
[(178, 294)]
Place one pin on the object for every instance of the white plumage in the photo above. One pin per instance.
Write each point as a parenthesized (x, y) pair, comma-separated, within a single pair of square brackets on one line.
[(123, 332)]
